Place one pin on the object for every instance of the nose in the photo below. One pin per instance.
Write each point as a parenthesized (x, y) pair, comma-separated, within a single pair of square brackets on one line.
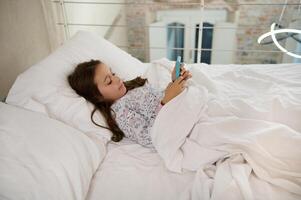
[(118, 80)]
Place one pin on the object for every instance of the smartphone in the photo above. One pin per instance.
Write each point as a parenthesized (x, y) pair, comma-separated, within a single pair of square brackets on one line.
[(178, 64)]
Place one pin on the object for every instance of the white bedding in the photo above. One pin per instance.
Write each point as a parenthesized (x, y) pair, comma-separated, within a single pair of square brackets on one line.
[(42, 158), (239, 128), (131, 171)]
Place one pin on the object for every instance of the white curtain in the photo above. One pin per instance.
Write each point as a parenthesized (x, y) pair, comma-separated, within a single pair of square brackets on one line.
[(53, 14)]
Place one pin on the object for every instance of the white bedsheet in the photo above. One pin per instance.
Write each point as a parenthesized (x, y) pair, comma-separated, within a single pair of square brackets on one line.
[(239, 129), (131, 171)]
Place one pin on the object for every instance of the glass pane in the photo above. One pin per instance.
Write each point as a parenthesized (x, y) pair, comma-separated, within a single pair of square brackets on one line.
[(175, 41), (207, 35)]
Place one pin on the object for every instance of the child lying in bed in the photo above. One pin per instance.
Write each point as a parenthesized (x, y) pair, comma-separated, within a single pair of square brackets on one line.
[(134, 103)]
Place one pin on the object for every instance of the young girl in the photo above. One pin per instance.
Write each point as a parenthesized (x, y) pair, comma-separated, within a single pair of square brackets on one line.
[(134, 103)]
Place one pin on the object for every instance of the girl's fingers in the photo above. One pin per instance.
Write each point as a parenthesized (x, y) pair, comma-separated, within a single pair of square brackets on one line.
[(183, 70), (186, 73), (182, 82), (181, 78)]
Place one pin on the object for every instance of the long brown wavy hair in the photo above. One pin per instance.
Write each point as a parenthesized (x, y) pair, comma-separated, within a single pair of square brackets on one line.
[(82, 81)]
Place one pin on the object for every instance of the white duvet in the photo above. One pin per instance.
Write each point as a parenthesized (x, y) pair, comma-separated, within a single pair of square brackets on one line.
[(239, 129)]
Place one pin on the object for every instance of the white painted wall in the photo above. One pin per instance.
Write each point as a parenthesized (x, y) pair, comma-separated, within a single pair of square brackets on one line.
[(98, 14), (23, 39), (157, 40), (224, 42)]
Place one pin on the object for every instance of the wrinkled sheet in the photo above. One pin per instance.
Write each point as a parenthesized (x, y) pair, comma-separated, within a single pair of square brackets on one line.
[(131, 171), (238, 129)]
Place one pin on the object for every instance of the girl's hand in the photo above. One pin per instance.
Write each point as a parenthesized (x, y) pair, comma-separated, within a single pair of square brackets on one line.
[(173, 89), (183, 72)]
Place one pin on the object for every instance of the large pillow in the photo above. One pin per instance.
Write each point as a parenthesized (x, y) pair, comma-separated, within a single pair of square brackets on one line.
[(50, 75), (42, 158)]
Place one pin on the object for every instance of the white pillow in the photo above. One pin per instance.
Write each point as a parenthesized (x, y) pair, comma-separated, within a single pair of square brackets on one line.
[(42, 158), (49, 76), (65, 105)]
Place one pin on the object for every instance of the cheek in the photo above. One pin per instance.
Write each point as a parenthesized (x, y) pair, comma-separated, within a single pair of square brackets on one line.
[(108, 91), (103, 91)]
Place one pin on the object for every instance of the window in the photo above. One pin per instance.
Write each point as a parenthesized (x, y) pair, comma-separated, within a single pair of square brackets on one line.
[(175, 39), (207, 36), (181, 28)]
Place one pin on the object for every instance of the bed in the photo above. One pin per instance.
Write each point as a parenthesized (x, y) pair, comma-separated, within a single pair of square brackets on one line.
[(50, 150)]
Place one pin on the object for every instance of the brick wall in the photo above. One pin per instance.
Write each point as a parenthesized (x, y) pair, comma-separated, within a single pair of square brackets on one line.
[(252, 21)]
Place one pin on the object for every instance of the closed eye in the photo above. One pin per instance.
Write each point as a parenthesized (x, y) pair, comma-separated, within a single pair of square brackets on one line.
[(111, 79)]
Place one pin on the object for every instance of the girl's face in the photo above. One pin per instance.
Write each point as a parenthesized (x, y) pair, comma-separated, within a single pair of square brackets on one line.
[(109, 85)]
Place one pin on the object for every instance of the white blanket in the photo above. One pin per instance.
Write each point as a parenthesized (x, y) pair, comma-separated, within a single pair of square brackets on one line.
[(244, 144)]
